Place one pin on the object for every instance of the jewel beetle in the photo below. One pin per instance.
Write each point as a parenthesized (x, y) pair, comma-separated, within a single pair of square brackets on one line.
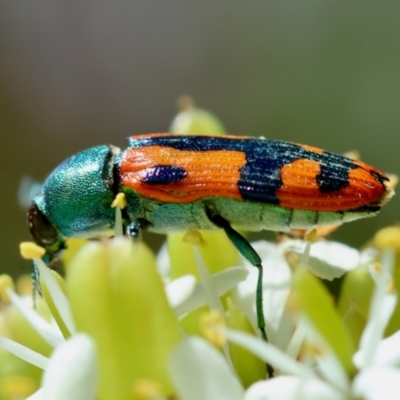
[(176, 183)]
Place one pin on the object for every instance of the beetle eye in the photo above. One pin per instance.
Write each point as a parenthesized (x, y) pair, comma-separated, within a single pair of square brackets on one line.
[(42, 230)]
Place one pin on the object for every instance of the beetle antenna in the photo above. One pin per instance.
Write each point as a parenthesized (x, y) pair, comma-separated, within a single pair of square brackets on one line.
[(35, 283)]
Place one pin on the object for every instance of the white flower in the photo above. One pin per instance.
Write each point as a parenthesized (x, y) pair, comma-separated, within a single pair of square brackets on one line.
[(200, 372), (291, 388), (70, 372), (325, 259), (276, 287), (185, 295), (377, 359)]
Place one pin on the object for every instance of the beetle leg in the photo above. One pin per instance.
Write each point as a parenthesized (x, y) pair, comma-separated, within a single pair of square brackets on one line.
[(247, 251), (134, 229)]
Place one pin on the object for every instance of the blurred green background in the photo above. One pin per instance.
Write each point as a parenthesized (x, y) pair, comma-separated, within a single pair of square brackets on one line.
[(74, 74)]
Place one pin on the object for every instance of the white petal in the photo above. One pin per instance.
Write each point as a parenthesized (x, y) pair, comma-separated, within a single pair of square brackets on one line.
[(332, 370), (59, 298), (383, 303), (38, 395), (329, 366), (269, 353), (387, 353), (228, 278), (277, 270), (284, 332), (292, 388), (24, 353), (200, 372), (72, 371), (180, 289), (163, 261), (296, 340), (377, 384), (276, 285), (50, 333), (210, 293), (328, 260), (222, 282)]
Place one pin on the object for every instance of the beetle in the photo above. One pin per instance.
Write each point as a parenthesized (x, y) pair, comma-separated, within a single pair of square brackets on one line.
[(176, 183)]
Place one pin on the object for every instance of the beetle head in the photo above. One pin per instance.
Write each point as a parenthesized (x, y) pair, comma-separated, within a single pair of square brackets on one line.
[(44, 233), (75, 200)]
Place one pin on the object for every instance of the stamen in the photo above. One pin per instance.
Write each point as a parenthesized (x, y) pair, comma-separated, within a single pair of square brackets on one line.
[(353, 154), (24, 285), (293, 304), (388, 238), (147, 389), (311, 349), (30, 250), (185, 103), (120, 201), (6, 283), (311, 236), (57, 298), (377, 266), (390, 287), (193, 237), (212, 324), (17, 387)]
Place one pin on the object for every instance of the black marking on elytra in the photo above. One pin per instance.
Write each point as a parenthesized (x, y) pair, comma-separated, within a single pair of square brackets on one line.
[(379, 177), (260, 177), (164, 174), (324, 179)]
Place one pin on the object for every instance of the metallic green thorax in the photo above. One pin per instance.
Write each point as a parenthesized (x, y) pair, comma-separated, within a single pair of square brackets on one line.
[(76, 198)]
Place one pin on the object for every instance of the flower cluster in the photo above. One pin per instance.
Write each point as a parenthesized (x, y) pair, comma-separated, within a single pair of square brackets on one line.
[(127, 331)]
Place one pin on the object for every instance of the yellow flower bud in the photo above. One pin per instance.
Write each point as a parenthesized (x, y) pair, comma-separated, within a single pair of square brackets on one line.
[(118, 298)]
